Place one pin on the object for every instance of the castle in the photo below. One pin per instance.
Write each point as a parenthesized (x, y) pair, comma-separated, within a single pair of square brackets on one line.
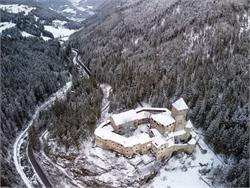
[(144, 130)]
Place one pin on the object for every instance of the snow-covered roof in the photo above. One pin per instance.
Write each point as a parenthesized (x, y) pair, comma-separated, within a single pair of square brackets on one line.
[(192, 141), (106, 132), (177, 133), (180, 104), (194, 135), (189, 124), (143, 115), (124, 117), (158, 140), (132, 115), (152, 109), (163, 118), (170, 142)]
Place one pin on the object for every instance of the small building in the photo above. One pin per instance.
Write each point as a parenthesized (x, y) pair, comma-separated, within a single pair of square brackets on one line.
[(163, 122), (179, 112)]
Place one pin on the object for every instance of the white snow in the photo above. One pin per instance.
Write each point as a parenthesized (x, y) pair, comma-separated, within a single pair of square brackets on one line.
[(172, 175), (163, 118), (45, 38), (180, 104), (61, 169), (15, 8), (245, 24), (152, 109), (189, 124), (124, 117), (177, 133), (6, 25), (139, 113), (106, 90), (58, 23), (137, 40), (192, 141), (81, 8), (158, 139), (59, 32), (75, 1), (163, 22), (106, 132), (90, 7), (91, 12), (69, 10), (25, 34), (36, 18)]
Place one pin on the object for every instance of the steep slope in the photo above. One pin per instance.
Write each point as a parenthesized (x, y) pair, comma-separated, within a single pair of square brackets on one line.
[(73, 10), (157, 51), (34, 19), (31, 70)]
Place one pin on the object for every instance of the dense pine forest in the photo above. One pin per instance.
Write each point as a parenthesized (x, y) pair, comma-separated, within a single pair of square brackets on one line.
[(198, 50), (148, 51), (31, 70)]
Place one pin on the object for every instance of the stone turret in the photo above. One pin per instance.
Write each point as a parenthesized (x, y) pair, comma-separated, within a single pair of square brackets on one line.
[(179, 112)]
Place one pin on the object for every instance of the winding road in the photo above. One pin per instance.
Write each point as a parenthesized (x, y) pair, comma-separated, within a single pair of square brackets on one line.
[(37, 168), (86, 69), (22, 138)]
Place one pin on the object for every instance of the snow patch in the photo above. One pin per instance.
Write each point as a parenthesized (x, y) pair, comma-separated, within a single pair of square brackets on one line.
[(90, 7), (25, 34), (6, 25), (15, 8), (59, 31), (69, 10), (184, 171), (163, 22)]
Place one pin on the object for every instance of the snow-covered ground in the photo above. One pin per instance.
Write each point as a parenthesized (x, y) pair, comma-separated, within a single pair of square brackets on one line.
[(102, 167), (15, 8), (6, 25), (106, 89), (25, 34), (183, 171), (59, 30), (69, 10)]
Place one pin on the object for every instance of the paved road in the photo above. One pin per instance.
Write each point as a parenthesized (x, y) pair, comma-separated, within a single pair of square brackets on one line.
[(37, 167), (81, 63), (31, 156), (17, 155)]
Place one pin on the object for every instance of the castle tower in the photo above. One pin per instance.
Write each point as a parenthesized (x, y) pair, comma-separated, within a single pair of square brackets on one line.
[(179, 112)]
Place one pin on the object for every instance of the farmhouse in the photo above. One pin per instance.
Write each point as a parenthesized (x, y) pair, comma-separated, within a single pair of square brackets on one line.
[(144, 130)]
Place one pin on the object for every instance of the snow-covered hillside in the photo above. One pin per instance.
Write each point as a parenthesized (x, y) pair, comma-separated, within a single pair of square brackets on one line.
[(17, 8), (34, 20), (192, 171), (75, 10), (6, 25), (59, 30)]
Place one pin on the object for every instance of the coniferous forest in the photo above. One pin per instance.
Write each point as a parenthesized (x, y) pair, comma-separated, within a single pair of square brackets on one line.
[(147, 51)]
